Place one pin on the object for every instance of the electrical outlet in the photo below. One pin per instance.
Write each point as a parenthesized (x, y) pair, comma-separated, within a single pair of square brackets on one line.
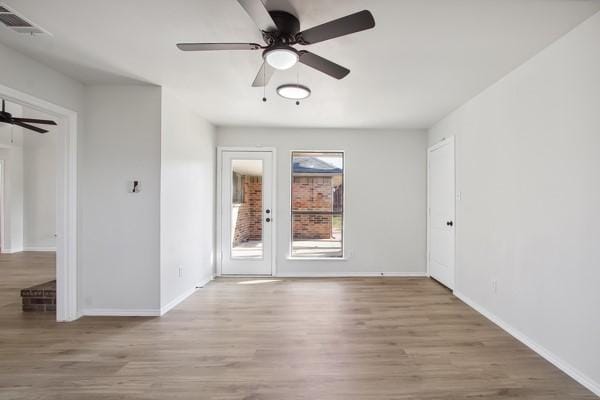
[(495, 286)]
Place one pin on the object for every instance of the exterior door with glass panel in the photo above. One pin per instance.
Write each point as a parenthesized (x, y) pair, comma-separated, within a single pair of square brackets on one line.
[(247, 214)]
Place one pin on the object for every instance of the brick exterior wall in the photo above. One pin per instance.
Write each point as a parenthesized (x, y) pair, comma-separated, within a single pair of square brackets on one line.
[(248, 225), (312, 193)]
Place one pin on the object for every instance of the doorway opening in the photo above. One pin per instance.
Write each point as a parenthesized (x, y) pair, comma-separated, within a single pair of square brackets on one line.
[(28, 220), (38, 217)]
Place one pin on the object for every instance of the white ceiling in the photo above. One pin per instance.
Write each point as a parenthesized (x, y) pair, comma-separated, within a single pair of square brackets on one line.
[(423, 59)]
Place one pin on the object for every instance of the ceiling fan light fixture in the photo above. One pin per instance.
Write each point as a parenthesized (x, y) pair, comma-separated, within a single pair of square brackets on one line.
[(282, 58), (293, 91)]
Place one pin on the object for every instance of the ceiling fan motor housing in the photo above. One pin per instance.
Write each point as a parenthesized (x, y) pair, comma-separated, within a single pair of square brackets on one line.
[(287, 28)]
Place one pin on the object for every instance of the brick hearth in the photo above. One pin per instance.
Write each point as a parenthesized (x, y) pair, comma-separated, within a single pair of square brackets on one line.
[(40, 297)]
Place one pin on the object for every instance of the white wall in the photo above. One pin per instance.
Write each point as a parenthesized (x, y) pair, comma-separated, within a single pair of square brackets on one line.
[(528, 168), (11, 153), (187, 200), (385, 196), (119, 139), (12, 236), (29, 76), (39, 187), (119, 235)]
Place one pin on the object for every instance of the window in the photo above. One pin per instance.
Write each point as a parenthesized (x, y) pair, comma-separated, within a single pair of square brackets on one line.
[(317, 204), (238, 188)]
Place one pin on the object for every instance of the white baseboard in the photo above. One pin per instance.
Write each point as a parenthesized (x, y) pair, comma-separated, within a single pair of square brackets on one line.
[(176, 301), (12, 251), (173, 303), (118, 312), (26, 248), (203, 282), (350, 274), (21, 249), (561, 364)]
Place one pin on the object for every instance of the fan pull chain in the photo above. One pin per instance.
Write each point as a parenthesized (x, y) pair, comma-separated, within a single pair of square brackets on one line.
[(298, 79), (264, 99)]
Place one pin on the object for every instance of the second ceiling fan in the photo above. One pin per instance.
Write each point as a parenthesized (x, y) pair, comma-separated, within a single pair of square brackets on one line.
[(7, 118), (280, 31)]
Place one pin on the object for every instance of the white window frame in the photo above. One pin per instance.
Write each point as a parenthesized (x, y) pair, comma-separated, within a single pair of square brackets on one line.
[(291, 228)]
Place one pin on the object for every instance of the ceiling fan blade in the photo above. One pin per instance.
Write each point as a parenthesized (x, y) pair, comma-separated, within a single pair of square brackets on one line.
[(352, 23), (217, 46), (264, 75), (259, 14), (322, 64), (30, 127), (35, 121)]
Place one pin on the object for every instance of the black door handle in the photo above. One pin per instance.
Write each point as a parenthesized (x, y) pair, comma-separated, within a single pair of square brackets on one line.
[(268, 211), (450, 223)]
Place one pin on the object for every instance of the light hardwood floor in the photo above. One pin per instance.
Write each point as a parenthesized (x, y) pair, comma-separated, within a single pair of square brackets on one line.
[(368, 339)]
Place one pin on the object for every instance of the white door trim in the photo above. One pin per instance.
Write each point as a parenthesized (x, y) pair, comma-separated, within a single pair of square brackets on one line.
[(441, 143), (66, 205), (219, 244)]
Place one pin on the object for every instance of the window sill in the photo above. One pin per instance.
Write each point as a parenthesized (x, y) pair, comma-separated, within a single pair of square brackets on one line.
[(316, 258)]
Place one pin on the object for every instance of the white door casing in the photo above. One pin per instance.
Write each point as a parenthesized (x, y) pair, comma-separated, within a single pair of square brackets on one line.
[(441, 212)]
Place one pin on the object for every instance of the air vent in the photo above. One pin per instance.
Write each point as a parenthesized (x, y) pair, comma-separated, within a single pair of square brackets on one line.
[(18, 23)]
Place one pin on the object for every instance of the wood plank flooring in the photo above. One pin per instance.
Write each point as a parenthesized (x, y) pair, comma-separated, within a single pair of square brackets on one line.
[(284, 339)]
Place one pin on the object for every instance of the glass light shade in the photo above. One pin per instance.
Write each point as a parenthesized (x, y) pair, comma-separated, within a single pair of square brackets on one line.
[(293, 92), (281, 58)]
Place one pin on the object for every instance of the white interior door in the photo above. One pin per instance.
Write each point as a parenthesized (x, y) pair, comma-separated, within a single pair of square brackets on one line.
[(441, 224), (246, 212)]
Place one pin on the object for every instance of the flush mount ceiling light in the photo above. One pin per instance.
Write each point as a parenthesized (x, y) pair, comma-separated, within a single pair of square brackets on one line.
[(293, 91), (281, 57)]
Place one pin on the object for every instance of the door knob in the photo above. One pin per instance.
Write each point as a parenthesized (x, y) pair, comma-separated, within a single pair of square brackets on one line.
[(268, 211), (450, 223), (268, 219)]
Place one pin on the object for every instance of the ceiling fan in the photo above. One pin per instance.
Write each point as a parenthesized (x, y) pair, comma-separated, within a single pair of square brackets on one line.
[(7, 118), (280, 31)]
